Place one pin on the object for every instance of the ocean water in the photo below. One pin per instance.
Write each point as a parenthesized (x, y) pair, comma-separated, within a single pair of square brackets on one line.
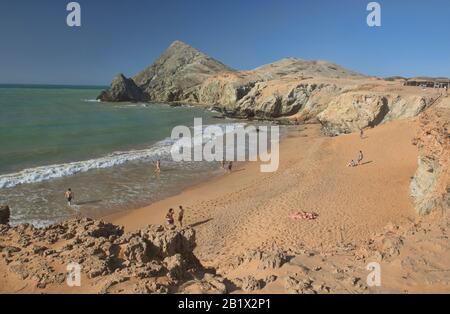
[(53, 138)]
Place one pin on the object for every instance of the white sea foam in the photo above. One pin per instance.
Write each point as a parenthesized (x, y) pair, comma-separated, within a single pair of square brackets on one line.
[(44, 173), (91, 100)]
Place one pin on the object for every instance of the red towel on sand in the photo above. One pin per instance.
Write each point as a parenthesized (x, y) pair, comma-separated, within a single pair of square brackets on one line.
[(304, 215)]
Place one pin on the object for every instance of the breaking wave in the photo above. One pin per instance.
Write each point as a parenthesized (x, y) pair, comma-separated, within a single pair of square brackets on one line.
[(160, 149)]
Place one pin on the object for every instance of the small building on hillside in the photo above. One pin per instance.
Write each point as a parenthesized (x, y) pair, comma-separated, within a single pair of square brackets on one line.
[(431, 83)]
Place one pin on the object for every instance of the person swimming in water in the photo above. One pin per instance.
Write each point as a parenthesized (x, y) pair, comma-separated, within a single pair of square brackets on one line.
[(69, 196)]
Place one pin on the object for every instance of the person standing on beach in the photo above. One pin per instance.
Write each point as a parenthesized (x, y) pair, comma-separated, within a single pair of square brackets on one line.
[(360, 157), (169, 217), (230, 166), (181, 216), (69, 196), (361, 133)]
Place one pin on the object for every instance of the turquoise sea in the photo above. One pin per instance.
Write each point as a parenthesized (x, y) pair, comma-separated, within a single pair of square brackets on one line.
[(56, 137)]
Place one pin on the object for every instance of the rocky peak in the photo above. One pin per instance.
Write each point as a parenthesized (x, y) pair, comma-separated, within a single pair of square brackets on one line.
[(122, 89), (177, 73)]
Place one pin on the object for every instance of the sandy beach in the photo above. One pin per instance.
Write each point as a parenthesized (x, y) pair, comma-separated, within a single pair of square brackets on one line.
[(239, 234), (248, 209)]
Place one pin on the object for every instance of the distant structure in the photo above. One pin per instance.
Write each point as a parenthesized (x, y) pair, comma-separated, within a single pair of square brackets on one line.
[(430, 83)]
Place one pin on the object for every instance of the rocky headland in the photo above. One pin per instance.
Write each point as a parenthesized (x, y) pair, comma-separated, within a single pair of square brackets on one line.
[(290, 90)]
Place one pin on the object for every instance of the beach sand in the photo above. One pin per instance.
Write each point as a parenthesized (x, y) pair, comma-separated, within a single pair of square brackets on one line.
[(242, 223), (248, 209)]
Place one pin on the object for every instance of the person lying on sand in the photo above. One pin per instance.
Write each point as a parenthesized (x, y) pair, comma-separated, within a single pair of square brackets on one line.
[(69, 196), (169, 217), (352, 164)]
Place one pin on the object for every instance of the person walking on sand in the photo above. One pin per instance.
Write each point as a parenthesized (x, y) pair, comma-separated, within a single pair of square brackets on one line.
[(169, 217), (360, 157), (181, 216), (69, 196), (361, 133)]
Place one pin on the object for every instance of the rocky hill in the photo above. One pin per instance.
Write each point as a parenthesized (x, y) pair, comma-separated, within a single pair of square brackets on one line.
[(174, 76), (305, 91)]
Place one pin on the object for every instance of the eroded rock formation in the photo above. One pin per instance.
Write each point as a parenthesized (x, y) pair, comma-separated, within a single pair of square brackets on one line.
[(430, 186), (156, 259)]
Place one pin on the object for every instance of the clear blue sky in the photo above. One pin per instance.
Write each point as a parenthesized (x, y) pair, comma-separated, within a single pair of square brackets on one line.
[(125, 36)]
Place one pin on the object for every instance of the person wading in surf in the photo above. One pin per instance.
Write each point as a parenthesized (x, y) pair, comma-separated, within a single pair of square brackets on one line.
[(69, 196), (158, 166)]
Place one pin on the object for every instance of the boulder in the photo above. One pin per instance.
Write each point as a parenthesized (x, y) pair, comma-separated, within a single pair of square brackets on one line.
[(209, 284), (271, 259), (250, 283), (164, 241)]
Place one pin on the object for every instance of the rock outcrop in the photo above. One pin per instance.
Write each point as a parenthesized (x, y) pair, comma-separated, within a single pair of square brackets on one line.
[(430, 186), (352, 111), (156, 259), (122, 89), (175, 76)]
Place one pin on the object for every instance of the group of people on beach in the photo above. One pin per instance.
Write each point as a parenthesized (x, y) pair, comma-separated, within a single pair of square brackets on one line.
[(170, 216), (358, 161), (227, 166)]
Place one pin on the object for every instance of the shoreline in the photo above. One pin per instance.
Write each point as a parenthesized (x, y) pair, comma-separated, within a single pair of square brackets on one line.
[(235, 212), (217, 178)]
